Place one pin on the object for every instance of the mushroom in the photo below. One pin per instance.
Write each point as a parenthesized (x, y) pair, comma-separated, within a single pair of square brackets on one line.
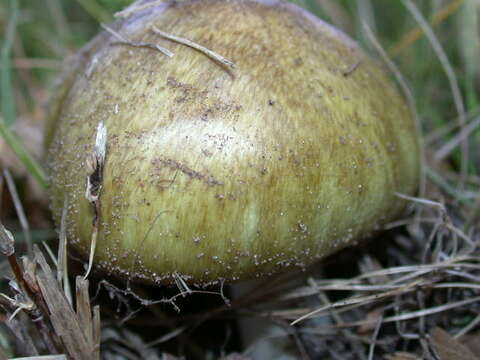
[(217, 169)]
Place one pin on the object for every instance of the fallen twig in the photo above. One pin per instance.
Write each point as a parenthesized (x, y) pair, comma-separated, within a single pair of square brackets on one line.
[(123, 41), (211, 54)]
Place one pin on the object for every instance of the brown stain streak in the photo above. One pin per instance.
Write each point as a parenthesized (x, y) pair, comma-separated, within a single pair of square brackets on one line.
[(175, 165)]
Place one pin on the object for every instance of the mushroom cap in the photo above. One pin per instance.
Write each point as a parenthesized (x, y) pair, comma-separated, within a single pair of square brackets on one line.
[(216, 174)]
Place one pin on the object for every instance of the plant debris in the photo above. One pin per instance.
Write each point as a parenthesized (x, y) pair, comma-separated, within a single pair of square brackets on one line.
[(209, 53), (95, 162), (123, 41)]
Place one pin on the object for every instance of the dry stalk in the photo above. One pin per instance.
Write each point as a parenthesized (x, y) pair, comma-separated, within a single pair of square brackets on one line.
[(124, 41), (209, 53)]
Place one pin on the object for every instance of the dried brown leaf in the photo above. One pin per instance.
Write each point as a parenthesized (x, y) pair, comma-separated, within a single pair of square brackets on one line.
[(64, 320), (96, 332), (402, 356), (448, 348), (472, 341), (84, 311)]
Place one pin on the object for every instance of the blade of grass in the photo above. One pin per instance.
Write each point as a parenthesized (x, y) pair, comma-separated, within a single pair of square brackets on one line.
[(452, 79), (445, 186), (450, 145), (19, 209), (469, 36), (62, 268), (36, 63), (59, 19), (96, 11), (7, 102), (365, 15), (33, 167), (413, 35)]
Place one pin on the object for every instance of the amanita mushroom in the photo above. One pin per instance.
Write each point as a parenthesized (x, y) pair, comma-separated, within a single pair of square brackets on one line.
[(215, 173)]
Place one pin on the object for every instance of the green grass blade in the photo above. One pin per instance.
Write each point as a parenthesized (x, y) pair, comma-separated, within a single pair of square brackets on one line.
[(452, 79), (365, 15), (8, 104), (468, 23), (96, 11), (22, 154)]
